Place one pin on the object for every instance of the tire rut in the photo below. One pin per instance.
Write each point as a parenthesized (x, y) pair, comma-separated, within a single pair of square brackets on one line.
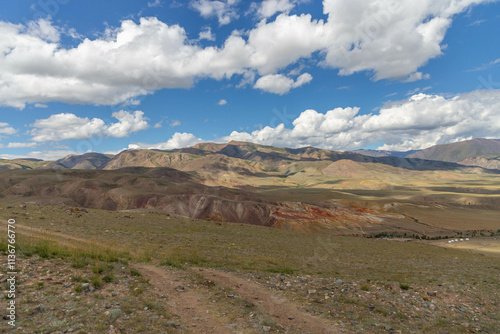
[(185, 303), (281, 310)]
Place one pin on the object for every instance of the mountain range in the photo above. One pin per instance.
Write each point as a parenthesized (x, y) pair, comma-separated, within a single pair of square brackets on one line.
[(306, 189), (475, 152), (483, 153)]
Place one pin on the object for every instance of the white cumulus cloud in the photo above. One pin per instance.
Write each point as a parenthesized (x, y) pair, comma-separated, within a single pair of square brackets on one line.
[(6, 129), (224, 10), (127, 123), (281, 84), (270, 7), (178, 140), (206, 34), (69, 126), (390, 39), (20, 145), (418, 122), (47, 155)]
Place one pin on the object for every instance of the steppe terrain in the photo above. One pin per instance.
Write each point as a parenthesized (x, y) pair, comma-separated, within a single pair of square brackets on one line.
[(152, 272), (242, 238)]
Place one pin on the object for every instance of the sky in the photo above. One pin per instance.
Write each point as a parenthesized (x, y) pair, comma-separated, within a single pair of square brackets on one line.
[(104, 76)]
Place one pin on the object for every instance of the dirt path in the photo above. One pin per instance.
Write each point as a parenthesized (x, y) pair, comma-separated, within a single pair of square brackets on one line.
[(39, 232), (64, 239), (184, 302), (191, 309), (187, 303), (281, 310)]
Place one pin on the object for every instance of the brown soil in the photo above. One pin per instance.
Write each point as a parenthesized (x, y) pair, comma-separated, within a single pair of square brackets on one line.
[(281, 310), (187, 303), (183, 302)]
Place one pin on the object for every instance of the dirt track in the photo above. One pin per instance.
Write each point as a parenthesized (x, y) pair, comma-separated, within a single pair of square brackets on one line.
[(183, 302), (188, 305)]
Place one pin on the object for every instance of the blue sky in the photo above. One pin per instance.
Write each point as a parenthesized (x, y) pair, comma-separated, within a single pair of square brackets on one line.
[(104, 76)]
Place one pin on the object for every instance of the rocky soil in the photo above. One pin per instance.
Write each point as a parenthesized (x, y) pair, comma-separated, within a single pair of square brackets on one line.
[(54, 297), (365, 306)]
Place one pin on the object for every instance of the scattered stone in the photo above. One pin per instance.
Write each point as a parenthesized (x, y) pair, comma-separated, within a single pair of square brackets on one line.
[(113, 330), (115, 313), (248, 304), (174, 324)]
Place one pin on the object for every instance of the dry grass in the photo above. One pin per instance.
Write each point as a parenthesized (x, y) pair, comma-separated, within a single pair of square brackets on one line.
[(177, 241), (98, 238)]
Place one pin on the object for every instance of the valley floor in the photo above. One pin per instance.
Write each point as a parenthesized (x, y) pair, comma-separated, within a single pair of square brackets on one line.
[(109, 272)]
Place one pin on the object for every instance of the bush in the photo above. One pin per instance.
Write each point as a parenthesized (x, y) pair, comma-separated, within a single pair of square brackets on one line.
[(96, 281), (98, 269), (404, 286), (79, 279), (108, 278), (134, 272)]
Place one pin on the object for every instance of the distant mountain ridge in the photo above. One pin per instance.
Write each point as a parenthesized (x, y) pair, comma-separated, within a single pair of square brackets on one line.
[(85, 161), (475, 152), (249, 158), (255, 159), (302, 189), (384, 153)]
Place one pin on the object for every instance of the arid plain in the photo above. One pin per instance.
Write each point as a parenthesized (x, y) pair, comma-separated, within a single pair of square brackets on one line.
[(242, 238)]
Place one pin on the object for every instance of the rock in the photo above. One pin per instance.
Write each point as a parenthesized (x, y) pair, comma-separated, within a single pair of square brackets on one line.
[(230, 295), (174, 324), (290, 318), (115, 313), (91, 288), (180, 288), (85, 286), (311, 291), (432, 293), (266, 329), (113, 330), (339, 281)]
